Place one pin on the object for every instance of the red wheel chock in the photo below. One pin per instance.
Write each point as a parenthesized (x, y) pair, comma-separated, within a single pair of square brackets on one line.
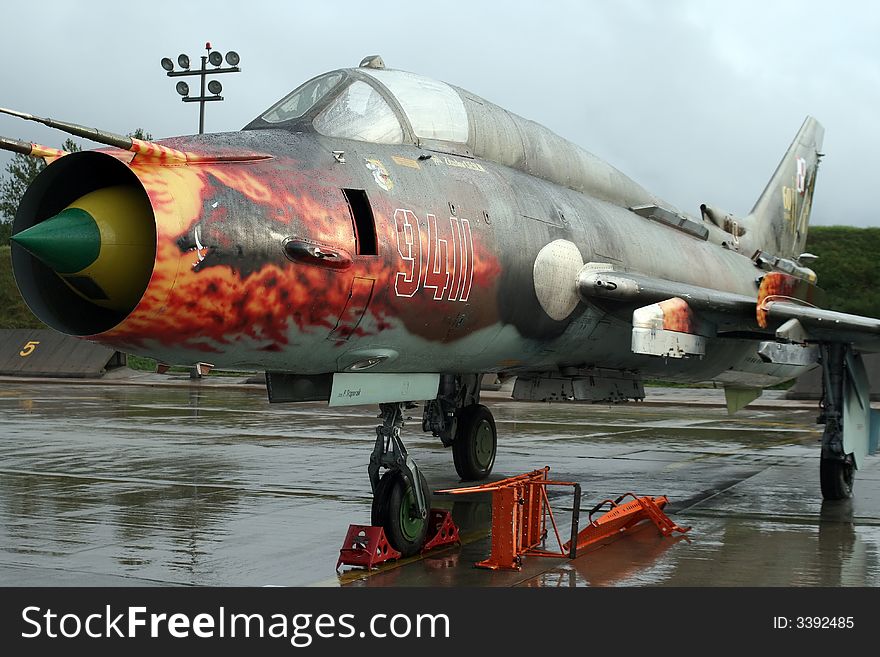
[(365, 546), (441, 530)]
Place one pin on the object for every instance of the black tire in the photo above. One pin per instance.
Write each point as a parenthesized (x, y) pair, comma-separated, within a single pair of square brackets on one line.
[(836, 478), (393, 504), (475, 444)]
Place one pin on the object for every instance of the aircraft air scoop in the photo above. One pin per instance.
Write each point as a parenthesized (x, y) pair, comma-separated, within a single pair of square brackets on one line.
[(102, 246)]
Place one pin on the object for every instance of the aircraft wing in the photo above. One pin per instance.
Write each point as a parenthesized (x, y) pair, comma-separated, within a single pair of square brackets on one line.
[(726, 309), (670, 311), (829, 326)]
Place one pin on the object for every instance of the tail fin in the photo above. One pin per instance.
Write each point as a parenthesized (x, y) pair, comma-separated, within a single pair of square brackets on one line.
[(778, 222)]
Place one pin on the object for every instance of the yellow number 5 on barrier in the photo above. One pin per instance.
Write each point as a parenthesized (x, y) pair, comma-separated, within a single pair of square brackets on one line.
[(29, 348)]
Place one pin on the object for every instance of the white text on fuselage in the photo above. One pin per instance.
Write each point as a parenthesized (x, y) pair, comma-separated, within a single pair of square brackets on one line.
[(443, 264)]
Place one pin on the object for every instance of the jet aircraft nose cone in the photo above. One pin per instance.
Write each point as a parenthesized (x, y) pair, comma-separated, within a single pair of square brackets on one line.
[(68, 242), (102, 245)]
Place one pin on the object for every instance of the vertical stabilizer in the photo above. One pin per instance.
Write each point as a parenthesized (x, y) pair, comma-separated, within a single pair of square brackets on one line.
[(778, 222)]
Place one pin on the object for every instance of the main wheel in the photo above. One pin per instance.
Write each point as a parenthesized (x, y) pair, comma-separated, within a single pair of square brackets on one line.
[(836, 478), (396, 510), (476, 441)]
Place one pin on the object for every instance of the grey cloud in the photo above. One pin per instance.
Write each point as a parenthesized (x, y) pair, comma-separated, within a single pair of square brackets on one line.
[(695, 100)]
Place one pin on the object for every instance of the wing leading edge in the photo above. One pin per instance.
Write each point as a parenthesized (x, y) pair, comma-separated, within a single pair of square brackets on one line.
[(684, 308), (826, 326)]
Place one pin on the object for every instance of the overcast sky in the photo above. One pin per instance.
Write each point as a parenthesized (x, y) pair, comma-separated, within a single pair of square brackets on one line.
[(695, 100)]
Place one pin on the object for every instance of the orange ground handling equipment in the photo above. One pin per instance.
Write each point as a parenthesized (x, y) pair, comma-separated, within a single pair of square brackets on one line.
[(621, 517), (521, 508)]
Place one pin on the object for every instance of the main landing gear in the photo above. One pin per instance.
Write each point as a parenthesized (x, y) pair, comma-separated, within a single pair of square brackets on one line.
[(401, 498), (459, 419), (836, 468)]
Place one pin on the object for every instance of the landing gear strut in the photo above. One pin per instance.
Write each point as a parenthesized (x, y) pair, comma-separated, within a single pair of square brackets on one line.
[(401, 498), (837, 468), (460, 421)]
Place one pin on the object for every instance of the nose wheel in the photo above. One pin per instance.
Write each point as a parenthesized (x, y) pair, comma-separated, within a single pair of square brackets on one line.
[(396, 510)]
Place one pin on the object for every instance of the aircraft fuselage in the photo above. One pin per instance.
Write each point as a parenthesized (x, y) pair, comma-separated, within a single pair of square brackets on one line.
[(435, 261)]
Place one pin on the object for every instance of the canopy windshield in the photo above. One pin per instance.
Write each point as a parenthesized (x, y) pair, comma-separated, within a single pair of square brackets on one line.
[(301, 99), (360, 113)]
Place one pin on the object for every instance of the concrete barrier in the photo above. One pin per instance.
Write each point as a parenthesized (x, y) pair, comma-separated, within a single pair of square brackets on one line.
[(47, 353)]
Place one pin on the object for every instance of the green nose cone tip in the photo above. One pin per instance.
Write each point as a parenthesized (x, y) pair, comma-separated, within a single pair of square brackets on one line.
[(68, 242)]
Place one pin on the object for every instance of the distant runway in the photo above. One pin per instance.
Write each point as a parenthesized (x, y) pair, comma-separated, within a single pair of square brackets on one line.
[(120, 484)]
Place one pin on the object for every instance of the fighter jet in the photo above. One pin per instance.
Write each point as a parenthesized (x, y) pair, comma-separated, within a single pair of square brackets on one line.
[(378, 237)]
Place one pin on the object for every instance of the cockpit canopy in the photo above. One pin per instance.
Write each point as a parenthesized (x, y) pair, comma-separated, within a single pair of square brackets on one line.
[(377, 106), (382, 106)]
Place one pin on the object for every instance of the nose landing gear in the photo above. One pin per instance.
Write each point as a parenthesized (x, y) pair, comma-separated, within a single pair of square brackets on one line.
[(401, 497)]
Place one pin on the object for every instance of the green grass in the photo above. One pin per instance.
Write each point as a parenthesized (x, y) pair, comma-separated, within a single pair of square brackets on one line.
[(141, 363)]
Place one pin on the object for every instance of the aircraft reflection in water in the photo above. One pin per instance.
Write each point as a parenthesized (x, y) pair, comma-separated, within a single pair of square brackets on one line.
[(380, 237)]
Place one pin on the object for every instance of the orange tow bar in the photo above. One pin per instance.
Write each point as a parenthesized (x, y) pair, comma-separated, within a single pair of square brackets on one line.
[(521, 509), (621, 517)]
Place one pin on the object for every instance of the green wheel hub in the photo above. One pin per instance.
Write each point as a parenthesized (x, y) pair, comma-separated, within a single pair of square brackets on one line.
[(474, 446), (411, 523), (484, 445)]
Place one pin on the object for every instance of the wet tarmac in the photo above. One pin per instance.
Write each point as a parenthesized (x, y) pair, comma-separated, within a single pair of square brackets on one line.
[(206, 484)]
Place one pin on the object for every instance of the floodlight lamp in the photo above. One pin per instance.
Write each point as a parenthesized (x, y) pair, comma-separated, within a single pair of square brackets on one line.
[(215, 58), (182, 88), (167, 64), (183, 60), (215, 87), (232, 58)]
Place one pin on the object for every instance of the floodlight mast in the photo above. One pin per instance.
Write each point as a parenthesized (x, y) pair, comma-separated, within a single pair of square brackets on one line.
[(216, 59)]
